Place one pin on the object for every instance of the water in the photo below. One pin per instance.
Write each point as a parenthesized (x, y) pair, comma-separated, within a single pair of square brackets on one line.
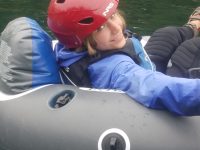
[(147, 15), (144, 16), (11, 9)]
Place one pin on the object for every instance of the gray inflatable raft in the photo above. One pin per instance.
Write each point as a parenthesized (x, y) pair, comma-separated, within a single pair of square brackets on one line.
[(90, 120)]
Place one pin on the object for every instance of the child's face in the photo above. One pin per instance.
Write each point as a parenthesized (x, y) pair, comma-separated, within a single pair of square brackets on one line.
[(110, 35)]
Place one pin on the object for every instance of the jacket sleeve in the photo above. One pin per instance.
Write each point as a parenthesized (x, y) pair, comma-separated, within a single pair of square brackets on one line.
[(153, 89)]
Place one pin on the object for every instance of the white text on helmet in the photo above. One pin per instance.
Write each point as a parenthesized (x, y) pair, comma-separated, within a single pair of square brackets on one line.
[(110, 5)]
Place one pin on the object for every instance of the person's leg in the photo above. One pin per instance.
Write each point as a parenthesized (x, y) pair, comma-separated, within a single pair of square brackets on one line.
[(163, 42), (186, 60)]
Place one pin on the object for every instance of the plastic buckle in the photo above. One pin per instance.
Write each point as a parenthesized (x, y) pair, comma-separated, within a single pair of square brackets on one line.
[(194, 73)]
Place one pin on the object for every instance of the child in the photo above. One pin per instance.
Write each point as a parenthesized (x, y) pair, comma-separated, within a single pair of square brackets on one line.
[(92, 36)]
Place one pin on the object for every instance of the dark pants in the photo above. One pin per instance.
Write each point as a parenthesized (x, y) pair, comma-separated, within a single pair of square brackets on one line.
[(177, 44)]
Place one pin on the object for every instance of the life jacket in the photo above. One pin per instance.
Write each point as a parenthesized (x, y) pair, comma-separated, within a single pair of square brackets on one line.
[(77, 73)]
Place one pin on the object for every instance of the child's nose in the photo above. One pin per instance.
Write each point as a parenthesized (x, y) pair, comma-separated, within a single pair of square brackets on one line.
[(114, 27)]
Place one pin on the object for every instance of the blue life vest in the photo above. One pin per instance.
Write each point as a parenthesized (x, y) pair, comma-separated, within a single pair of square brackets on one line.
[(132, 48)]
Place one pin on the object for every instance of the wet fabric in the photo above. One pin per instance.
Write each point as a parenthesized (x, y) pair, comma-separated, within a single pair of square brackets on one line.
[(26, 57), (152, 89)]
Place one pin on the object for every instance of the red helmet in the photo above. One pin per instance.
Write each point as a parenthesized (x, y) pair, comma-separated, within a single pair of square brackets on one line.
[(73, 20)]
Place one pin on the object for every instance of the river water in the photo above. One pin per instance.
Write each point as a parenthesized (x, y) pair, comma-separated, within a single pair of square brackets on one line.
[(143, 16)]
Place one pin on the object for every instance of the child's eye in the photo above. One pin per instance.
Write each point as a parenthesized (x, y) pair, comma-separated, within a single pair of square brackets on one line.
[(100, 28), (113, 15)]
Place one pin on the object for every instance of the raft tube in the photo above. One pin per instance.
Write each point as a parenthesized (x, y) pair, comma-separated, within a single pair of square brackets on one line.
[(90, 120)]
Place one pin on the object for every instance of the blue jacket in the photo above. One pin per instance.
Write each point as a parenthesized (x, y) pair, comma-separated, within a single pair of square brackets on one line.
[(150, 88)]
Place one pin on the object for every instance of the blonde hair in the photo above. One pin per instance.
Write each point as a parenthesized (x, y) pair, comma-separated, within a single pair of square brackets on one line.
[(90, 42)]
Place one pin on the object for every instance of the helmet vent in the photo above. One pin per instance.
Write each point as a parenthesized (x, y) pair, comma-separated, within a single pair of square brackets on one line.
[(60, 1), (88, 20)]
